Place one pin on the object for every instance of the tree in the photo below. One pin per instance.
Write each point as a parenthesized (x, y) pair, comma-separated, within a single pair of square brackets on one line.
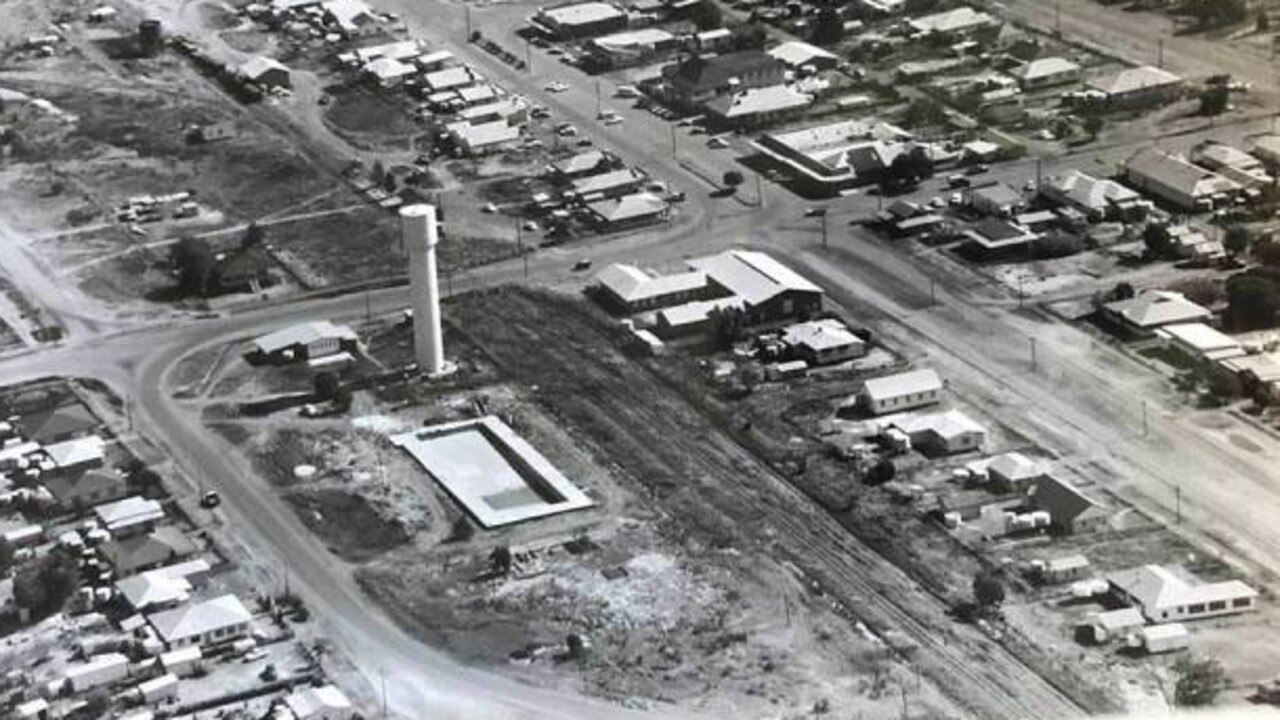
[(882, 472), (462, 530), (1267, 253), (829, 28), (923, 112), (1157, 239), (379, 172), (43, 585), (6, 558), (1235, 239), (341, 398), (1252, 302), (748, 36), (726, 326), (907, 169), (1214, 100), (1199, 681), (194, 260), (1122, 291), (1264, 22), (732, 179), (576, 645), (988, 591), (253, 236), (707, 15), (1092, 125), (327, 385), (500, 560)]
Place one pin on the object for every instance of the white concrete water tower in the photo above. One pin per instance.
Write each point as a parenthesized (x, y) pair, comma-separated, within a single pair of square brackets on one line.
[(418, 237)]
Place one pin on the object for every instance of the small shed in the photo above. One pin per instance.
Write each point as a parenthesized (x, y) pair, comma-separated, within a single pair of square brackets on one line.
[(1064, 569), (1106, 626)]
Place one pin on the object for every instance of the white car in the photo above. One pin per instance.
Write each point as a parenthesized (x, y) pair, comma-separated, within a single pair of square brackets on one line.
[(717, 143), (611, 119), (627, 91), (567, 131), (555, 87)]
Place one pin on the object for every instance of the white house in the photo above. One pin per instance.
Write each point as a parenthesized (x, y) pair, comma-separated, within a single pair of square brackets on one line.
[(1161, 595), (318, 703), (306, 340), (130, 516), (212, 622), (823, 342), (942, 433), (903, 391)]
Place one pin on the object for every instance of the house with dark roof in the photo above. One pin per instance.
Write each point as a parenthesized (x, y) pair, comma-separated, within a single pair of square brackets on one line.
[(164, 545), (583, 164), (992, 237), (64, 422), (1070, 511), (694, 81), (246, 269), (81, 490)]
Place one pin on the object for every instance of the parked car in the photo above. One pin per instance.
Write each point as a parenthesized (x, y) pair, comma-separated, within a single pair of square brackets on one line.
[(555, 86), (717, 143), (581, 265), (977, 169), (210, 500), (957, 181), (627, 91)]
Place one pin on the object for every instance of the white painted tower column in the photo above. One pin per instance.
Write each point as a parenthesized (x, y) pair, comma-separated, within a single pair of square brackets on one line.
[(419, 236)]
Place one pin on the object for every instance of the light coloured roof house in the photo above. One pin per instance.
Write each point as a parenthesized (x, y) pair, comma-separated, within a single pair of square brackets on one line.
[(1090, 195), (631, 284), (960, 20), (798, 54), (753, 276), (306, 333), (221, 618), (1162, 595), (127, 513), (1046, 71), (1154, 308), (1135, 80)]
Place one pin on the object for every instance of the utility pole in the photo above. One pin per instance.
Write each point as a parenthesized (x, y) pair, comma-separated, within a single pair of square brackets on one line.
[(824, 227), (759, 192), (599, 107), (1160, 54), (368, 308), (1144, 418), (1039, 174), (673, 139), (468, 23), (1020, 293), (1177, 494), (528, 55), (933, 292), (382, 681), (1033, 353), (1057, 19), (519, 236)]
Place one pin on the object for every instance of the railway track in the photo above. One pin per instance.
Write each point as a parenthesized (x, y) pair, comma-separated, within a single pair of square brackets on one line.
[(668, 443)]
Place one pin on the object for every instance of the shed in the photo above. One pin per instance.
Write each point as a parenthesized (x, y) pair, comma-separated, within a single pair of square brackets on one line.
[(902, 391), (1111, 624)]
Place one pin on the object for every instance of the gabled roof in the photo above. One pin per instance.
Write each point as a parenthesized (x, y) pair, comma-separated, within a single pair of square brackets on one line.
[(696, 311), (155, 587), (753, 276), (45, 426), (947, 424), (580, 163), (907, 383), (200, 618), (820, 335), (608, 181), (1157, 589), (1136, 79), (1178, 174), (65, 488), (128, 512), (1153, 308), (160, 545), (490, 133), (1199, 336), (632, 284), (582, 13), (311, 702), (999, 194), (1086, 191), (1062, 500), (711, 73), (303, 334), (258, 65), (1015, 466), (628, 207), (348, 14), (957, 20), (798, 54), (758, 101), (1044, 68), (385, 68), (400, 50)]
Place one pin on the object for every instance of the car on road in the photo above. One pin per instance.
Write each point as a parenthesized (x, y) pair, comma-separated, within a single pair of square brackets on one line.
[(583, 264), (691, 120), (490, 208), (717, 143), (584, 142), (555, 86), (957, 181), (210, 500), (530, 225), (816, 211), (609, 117), (627, 91), (566, 130), (676, 197), (977, 169), (538, 112), (937, 202)]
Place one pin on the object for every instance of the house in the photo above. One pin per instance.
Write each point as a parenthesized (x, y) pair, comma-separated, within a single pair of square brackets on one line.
[(1013, 472), (770, 291), (318, 703), (997, 200), (388, 72), (958, 23), (1046, 72), (628, 48), (83, 489), (508, 110), (51, 425), (1199, 341), (1161, 595), (244, 269), (75, 456), (614, 183), (1267, 149), (823, 342), (992, 236), (454, 78), (693, 318), (1234, 164), (1070, 511), (1177, 182), (154, 590), (265, 72), (713, 40), (754, 107), (213, 132), (823, 160), (183, 662), (691, 83), (162, 546), (576, 20), (627, 289), (903, 391), (1111, 624), (133, 515), (1097, 198), (628, 211), (475, 140), (1140, 87), (1257, 376), (592, 162), (1142, 314), (97, 671), (1193, 244), (352, 18), (1064, 569), (404, 50), (796, 55), (212, 622), (941, 433), (158, 689), (305, 341)]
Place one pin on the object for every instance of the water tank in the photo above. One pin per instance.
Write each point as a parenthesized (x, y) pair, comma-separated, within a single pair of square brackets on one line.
[(149, 37)]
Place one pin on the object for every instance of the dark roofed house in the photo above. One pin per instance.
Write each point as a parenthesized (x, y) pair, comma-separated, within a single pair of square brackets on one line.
[(696, 80), (247, 269), (993, 237), (161, 546), (1070, 511), (583, 164), (80, 490), (57, 424)]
